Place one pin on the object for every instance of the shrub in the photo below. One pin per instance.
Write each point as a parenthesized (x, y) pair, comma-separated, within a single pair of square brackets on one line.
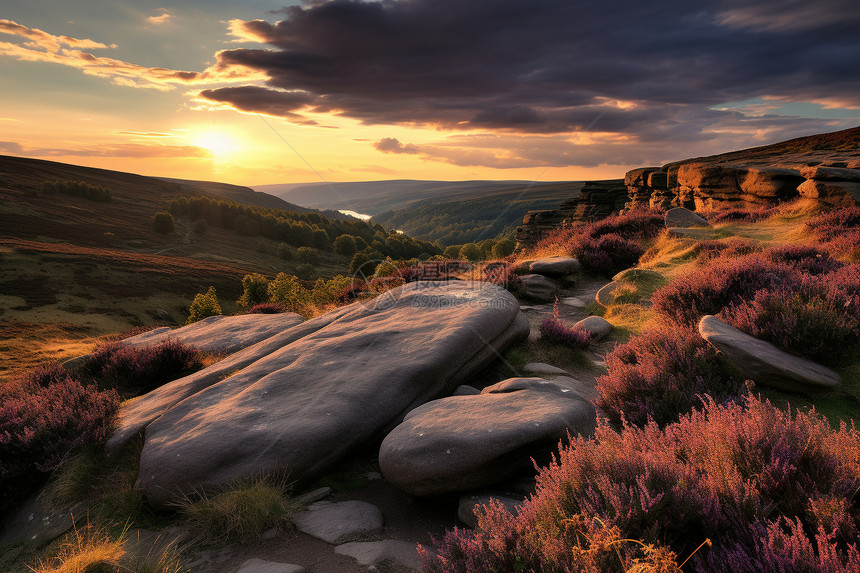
[(115, 365), (638, 224), (503, 248), (284, 252), (345, 245), (840, 229), (809, 320), (504, 275), (204, 305), (606, 254), (805, 258), (41, 425), (255, 290), (287, 291), (162, 222), (266, 308), (306, 272), (361, 264), (451, 252), (240, 513), (78, 189), (662, 374), (724, 282), (769, 488), (308, 255), (553, 331), (470, 252)]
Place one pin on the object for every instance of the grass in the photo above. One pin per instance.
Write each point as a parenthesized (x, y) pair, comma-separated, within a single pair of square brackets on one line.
[(241, 512), (89, 550)]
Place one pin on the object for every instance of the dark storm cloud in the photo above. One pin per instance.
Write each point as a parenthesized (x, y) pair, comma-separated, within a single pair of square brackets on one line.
[(532, 65)]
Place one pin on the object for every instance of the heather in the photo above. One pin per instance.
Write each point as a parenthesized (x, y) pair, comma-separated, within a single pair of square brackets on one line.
[(768, 488), (839, 229), (552, 330), (42, 420), (116, 365), (662, 374), (711, 249)]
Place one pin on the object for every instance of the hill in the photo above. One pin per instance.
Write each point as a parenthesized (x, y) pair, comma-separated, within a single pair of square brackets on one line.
[(75, 268)]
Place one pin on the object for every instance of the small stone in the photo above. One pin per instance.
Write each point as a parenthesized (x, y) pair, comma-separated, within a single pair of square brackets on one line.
[(261, 566), (573, 301), (339, 522), (598, 327), (680, 217)]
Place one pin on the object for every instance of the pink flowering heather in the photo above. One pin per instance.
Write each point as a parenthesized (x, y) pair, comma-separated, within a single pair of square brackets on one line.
[(772, 491), (41, 425), (744, 215), (116, 365), (266, 308), (662, 374), (554, 331), (711, 249)]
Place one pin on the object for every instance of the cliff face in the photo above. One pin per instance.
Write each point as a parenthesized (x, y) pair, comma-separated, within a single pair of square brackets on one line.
[(597, 199), (822, 167)]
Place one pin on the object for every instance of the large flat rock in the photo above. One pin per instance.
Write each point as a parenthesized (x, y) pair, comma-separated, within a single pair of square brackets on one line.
[(297, 403), (461, 443), (763, 362), (555, 266), (680, 217), (221, 334), (339, 522)]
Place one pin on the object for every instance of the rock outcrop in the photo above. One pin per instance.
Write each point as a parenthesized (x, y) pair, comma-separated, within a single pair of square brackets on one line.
[(296, 403), (596, 199), (763, 362), (459, 443)]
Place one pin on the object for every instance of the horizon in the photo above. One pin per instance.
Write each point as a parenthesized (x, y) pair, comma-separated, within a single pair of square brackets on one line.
[(274, 93)]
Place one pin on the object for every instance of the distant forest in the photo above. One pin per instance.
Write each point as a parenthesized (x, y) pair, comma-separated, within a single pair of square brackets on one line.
[(300, 229)]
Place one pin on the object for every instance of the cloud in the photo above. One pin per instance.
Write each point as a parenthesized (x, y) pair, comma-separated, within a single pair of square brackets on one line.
[(40, 46), (164, 18), (392, 145), (134, 150), (553, 66)]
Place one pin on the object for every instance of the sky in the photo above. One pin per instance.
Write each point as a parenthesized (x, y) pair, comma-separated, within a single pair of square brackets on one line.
[(266, 91)]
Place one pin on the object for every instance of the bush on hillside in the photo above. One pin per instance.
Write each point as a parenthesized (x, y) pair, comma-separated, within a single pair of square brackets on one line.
[(287, 291), (840, 229), (255, 290), (553, 331), (606, 254), (284, 252), (345, 245), (718, 285), (662, 374), (204, 306), (77, 189), (40, 425), (199, 226), (813, 320), (308, 255), (773, 491), (162, 222), (503, 248), (808, 259), (115, 365)]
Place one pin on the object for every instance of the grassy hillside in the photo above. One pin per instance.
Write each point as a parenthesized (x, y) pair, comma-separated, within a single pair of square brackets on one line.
[(75, 269)]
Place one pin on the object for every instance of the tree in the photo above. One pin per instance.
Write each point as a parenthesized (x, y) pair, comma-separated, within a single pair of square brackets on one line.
[(470, 252), (503, 248), (255, 290), (204, 305), (308, 255), (287, 291), (284, 252), (345, 245), (306, 272), (199, 226), (162, 222), (362, 264), (451, 252)]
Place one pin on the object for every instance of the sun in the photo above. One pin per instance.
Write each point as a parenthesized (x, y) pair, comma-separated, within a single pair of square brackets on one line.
[(218, 143)]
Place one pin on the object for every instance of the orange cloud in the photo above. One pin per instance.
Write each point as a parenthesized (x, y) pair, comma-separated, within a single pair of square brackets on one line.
[(164, 18), (136, 150), (64, 50)]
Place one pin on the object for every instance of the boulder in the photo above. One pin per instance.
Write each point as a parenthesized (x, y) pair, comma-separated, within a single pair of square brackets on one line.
[(539, 288), (837, 193), (469, 503), (376, 552), (457, 444), (763, 362), (339, 522), (221, 334), (465, 390), (821, 173), (680, 217), (554, 266), (770, 182), (296, 403), (598, 327)]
